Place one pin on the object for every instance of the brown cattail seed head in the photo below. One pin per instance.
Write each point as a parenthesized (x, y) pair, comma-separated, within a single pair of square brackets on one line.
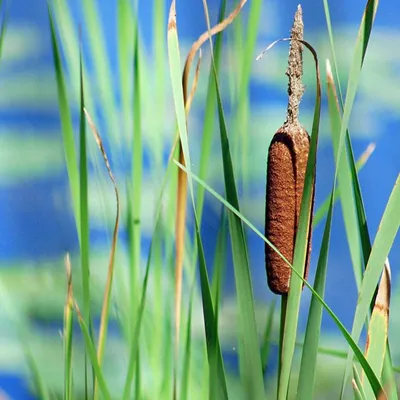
[(287, 162), (286, 169)]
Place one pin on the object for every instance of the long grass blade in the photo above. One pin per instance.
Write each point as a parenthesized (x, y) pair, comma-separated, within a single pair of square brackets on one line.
[(84, 213), (357, 385), (68, 334), (137, 378), (134, 349), (139, 317), (206, 144), (387, 231), (187, 355), (91, 350), (345, 182), (110, 273), (136, 173), (266, 345), (216, 286), (182, 182), (378, 329), (310, 350), (219, 262), (251, 375), (214, 353), (209, 114), (324, 207), (203, 169), (66, 125), (180, 231), (356, 391)]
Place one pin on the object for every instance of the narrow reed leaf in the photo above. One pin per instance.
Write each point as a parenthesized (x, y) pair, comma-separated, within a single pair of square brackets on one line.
[(357, 382), (308, 364), (180, 230), (206, 144), (67, 333), (91, 350), (66, 125), (209, 113), (345, 182), (388, 377), (137, 377), (110, 272), (386, 233), (134, 345), (179, 102), (180, 227), (358, 395), (218, 273), (366, 367), (203, 168), (266, 344), (377, 336), (324, 207), (187, 355), (84, 215), (83, 201), (248, 338), (135, 184), (356, 391), (310, 350), (362, 221), (139, 314), (216, 289), (217, 380), (182, 182), (219, 261)]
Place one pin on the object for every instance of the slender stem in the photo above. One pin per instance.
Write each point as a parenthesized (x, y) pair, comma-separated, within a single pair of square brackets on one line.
[(295, 69)]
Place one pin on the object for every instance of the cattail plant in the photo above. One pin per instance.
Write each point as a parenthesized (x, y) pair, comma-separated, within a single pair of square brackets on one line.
[(286, 168)]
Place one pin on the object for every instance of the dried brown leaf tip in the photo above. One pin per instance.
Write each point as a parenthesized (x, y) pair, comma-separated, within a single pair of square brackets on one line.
[(172, 17), (286, 169)]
